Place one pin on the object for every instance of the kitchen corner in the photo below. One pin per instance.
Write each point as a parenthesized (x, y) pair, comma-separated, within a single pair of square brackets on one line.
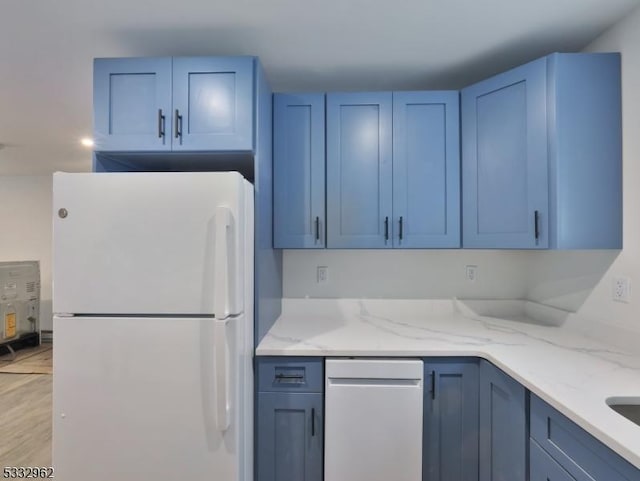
[(550, 352)]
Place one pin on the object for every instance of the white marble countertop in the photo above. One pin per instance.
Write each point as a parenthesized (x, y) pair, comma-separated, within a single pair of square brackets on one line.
[(573, 366)]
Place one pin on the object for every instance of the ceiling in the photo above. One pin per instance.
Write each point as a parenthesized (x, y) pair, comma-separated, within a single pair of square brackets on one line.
[(47, 47)]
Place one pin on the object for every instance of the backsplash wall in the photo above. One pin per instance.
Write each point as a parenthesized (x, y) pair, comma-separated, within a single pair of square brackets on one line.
[(405, 274)]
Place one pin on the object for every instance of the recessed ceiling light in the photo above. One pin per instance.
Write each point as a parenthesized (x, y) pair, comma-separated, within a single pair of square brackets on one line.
[(87, 142)]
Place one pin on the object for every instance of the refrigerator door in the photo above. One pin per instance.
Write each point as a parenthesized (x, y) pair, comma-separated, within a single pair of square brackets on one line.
[(138, 399), (150, 243)]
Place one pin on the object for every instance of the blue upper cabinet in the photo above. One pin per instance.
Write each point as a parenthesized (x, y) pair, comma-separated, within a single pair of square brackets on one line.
[(299, 171), (359, 170), (542, 156), (213, 103), (132, 104), (174, 104), (426, 169), (585, 151), (504, 160)]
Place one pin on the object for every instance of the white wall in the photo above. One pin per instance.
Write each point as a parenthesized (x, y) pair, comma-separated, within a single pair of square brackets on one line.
[(405, 274), (25, 229), (555, 278)]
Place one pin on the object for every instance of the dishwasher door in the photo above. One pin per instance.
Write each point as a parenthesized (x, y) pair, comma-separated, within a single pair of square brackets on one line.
[(373, 420)]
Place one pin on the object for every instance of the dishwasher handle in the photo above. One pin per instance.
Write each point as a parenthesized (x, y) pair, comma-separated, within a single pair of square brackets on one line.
[(353, 381)]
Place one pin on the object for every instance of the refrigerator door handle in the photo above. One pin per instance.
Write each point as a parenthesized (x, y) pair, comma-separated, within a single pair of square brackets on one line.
[(223, 416), (224, 263)]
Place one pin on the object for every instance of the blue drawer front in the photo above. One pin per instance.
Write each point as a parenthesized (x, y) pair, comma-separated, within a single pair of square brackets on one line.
[(575, 449), (544, 468), (290, 374)]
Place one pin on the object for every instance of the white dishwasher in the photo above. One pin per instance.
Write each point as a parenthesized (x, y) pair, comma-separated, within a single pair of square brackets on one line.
[(373, 420)]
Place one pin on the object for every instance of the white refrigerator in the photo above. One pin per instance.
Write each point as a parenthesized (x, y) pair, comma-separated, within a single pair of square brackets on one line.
[(153, 327)]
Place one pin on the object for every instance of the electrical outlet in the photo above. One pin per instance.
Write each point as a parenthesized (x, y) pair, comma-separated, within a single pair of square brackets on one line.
[(323, 275), (471, 273), (621, 289)]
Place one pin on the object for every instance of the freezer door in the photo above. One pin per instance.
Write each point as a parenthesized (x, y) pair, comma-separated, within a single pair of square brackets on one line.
[(150, 242), (136, 399)]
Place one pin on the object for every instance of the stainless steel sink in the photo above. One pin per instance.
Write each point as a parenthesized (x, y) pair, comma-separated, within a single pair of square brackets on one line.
[(627, 407)]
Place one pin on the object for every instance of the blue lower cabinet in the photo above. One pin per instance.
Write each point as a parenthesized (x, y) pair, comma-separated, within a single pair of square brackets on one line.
[(544, 468), (503, 426), (450, 420), (290, 419), (580, 454), (290, 437)]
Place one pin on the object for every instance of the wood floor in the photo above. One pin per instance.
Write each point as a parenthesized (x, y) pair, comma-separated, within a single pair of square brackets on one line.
[(35, 360), (25, 419)]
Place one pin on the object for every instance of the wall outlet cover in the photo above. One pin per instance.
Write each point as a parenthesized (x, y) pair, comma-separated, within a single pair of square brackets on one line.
[(471, 273), (323, 275), (621, 289)]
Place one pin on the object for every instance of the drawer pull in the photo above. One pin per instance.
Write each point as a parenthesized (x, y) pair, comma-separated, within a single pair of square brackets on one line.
[(290, 378)]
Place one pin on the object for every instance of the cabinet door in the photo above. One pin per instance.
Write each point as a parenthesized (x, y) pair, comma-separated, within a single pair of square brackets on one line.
[(426, 169), (132, 104), (359, 170), (503, 434), (579, 453), (213, 103), (504, 160), (544, 468), (299, 171), (450, 421), (290, 437)]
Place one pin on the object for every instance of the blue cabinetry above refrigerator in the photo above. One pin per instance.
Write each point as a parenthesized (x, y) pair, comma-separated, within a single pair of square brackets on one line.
[(174, 104)]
